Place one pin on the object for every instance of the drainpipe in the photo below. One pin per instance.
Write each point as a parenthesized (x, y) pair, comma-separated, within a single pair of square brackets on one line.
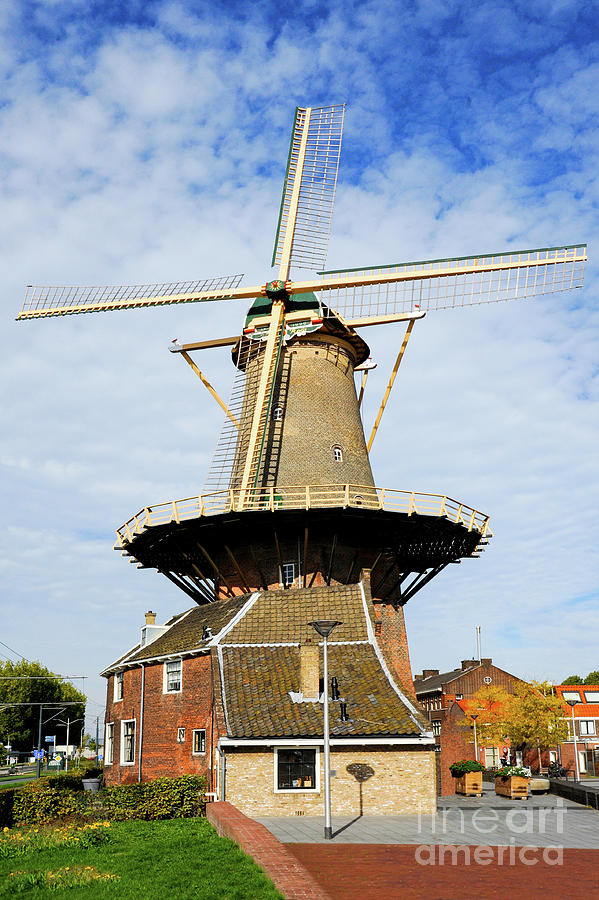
[(141, 720), (223, 770)]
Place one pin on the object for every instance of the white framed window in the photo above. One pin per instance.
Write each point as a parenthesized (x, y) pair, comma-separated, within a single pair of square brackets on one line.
[(199, 741), (127, 742), (487, 679), (288, 574), (592, 696), (118, 686), (587, 726), (297, 769), (436, 727), (109, 744), (173, 670), (180, 735), (459, 696), (337, 453), (277, 413)]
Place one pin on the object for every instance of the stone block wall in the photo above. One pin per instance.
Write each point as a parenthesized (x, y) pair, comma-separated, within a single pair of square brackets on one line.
[(403, 782)]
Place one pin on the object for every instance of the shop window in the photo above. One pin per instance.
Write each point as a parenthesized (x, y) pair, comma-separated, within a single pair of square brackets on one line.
[(296, 770), (128, 742), (199, 740)]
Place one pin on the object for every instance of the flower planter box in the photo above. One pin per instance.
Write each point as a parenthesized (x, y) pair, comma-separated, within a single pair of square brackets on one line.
[(513, 786), (470, 784), (92, 784)]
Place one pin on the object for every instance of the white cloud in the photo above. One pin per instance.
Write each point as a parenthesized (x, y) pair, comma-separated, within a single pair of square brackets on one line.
[(136, 153)]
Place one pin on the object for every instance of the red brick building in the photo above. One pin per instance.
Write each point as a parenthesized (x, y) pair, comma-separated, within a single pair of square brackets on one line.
[(440, 695), (586, 728)]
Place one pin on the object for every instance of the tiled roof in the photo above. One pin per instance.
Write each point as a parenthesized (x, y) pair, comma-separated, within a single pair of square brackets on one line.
[(186, 631), (257, 682), (283, 616), (436, 682)]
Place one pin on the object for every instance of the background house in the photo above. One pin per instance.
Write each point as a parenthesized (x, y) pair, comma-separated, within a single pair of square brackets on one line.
[(586, 727)]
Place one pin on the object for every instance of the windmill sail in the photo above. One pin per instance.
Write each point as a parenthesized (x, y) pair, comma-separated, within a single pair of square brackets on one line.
[(68, 300), (445, 283), (309, 190)]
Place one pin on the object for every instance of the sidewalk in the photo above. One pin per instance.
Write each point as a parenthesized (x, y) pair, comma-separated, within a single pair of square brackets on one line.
[(472, 849), (541, 821)]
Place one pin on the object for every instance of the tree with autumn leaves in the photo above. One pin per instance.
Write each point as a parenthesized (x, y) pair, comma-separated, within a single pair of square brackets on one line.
[(533, 715)]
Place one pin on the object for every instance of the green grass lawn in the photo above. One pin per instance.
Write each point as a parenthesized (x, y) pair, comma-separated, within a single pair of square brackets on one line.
[(180, 858)]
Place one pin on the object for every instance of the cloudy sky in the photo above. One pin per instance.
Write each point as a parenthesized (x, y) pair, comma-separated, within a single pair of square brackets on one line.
[(146, 141)]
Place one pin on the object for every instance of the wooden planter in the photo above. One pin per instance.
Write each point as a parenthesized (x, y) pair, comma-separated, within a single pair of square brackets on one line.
[(470, 784), (513, 786)]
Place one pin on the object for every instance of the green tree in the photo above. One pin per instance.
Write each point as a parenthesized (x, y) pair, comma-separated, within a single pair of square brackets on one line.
[(536, 716), (489, 704), (573, 679), (29, 683), (592, 678)]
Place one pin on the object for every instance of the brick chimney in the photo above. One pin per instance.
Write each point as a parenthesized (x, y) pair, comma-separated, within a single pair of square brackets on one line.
[(486, 662), (309, 670), (468, 663), (150, 618), (428, 673)]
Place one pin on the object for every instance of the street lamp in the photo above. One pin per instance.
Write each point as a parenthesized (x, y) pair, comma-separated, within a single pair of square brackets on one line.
[(68, 723), (474, 717), (324, 627), (572, 704)]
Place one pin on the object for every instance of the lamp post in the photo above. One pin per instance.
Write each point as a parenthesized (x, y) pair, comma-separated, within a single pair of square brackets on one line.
[(474, 717), (572, 704), (324, 628)]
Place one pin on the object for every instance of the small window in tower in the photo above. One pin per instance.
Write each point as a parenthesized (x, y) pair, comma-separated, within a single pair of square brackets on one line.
[(277, 413), (338, 453), (288, 574), (180, 735)]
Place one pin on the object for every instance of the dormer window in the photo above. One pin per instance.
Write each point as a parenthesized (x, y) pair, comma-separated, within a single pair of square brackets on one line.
[(338, 453), (288, 574)]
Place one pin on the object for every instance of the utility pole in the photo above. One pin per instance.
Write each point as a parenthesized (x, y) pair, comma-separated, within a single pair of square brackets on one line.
[(39, 743)]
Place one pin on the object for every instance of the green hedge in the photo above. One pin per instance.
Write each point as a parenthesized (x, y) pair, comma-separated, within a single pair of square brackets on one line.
[(41, 801), (163, 798)]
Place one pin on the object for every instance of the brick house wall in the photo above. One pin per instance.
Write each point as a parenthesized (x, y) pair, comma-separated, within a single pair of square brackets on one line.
[(163, 715)]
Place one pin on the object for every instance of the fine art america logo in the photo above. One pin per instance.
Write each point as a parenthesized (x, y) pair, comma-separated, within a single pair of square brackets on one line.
[(516, 836)]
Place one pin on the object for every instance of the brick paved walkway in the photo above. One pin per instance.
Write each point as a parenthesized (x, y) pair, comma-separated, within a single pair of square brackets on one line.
[(289, 875), (392, 872)]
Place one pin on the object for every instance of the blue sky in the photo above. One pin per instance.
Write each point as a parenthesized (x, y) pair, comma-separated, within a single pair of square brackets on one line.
[(147, 141)]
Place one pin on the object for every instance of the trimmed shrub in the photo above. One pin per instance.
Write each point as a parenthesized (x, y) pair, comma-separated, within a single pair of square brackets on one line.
[(7, 799), (163, 798), (40, 802), (66, 781)]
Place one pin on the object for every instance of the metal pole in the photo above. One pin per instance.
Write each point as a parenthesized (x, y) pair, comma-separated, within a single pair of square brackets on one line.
[(577, 774), (97, 739), (39, 743), (66, 756), (474, 718), (328, 830)]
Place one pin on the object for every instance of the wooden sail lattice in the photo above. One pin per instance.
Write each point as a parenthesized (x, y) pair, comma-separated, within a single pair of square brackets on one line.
[(448, 283)]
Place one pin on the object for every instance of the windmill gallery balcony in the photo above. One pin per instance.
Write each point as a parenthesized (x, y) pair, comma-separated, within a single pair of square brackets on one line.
[(228, 542)]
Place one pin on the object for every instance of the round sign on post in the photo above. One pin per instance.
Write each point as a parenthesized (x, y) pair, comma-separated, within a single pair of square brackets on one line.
[(504, 751)]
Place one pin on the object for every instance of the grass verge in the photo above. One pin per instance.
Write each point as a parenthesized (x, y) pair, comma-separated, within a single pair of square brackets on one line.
[(184, 858)]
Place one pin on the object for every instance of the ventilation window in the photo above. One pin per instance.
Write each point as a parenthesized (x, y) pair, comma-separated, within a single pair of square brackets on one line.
[(487, 679), (358, 500), (277, 413), (338, 453)]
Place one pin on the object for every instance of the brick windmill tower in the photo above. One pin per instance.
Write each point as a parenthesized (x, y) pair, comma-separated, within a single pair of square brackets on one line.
[(290, 527)]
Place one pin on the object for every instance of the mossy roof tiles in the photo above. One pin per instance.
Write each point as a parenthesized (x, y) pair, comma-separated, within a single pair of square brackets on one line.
[(283, 616), (186, 632), (257, 682)]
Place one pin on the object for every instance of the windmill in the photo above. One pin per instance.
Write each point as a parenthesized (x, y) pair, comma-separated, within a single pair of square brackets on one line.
[(290, 498)]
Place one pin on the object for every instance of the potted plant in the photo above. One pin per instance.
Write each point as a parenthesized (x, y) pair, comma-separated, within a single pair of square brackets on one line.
[(512, 782), (92, 779), (468, 774)]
